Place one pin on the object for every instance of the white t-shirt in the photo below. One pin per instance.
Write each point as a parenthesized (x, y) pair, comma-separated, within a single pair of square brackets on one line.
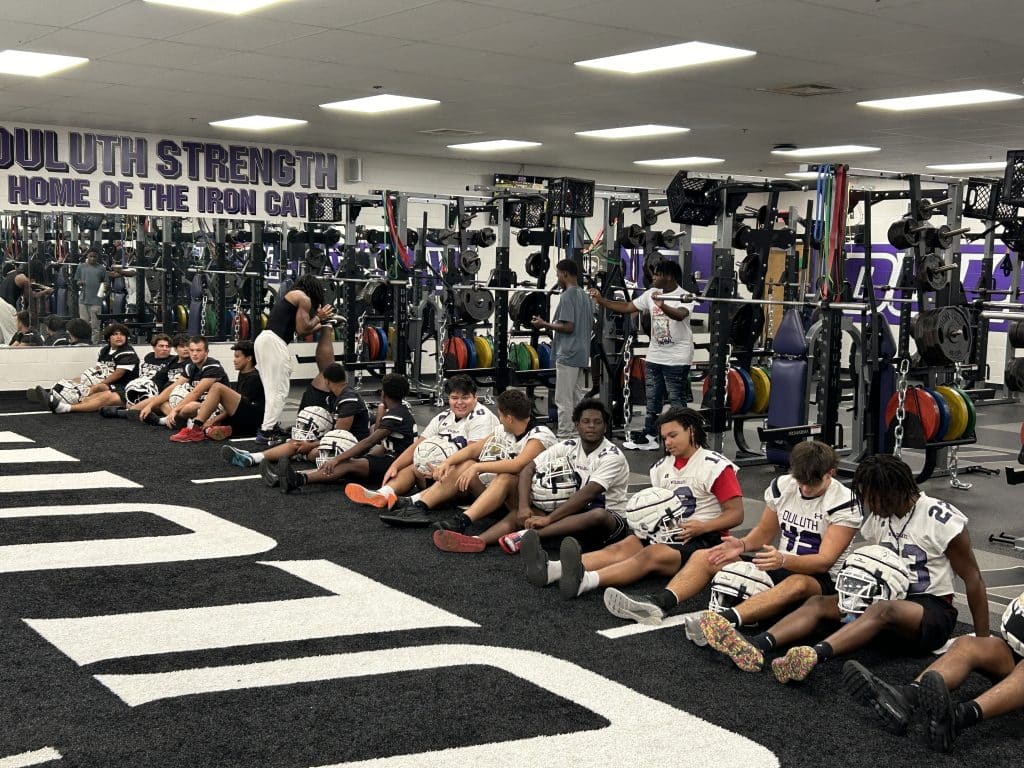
[(671, 340), (802, 521), (692, 484), (479, 424), (605, 465), (921, 540)]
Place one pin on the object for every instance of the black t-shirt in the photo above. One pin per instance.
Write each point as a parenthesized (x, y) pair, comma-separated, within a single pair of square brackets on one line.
[(9, 289), (349, 403), (250, 387), (402, 426), (60, 339), (170, 372), (151, 365), (210, 369), (123, 359), (312, 396), (29, 338)]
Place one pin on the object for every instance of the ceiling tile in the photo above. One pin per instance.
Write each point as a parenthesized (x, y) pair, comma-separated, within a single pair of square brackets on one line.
[(246, 34), (57, 12), (442, 19), (140, 19), (92, 45), (335, 14)]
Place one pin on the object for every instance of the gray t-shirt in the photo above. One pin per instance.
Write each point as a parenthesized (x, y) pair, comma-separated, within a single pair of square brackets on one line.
[(574, 348), (93, 277)]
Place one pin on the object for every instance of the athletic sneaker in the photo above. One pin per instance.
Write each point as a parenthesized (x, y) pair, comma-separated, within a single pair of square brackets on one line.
[(571, 556), (450, 541), (40, 395), (363, 495), (218, 432), (724, 638), (693, 631), (237, 458), (189, 435), (458, 524), (271, 437), (796, 665), (268, 470), (642, 609), (937, 705), (535, 559), (289, 479), (153, 419), (405, 514), (648, 443), (510, 543), (889, 705), (109, 411)]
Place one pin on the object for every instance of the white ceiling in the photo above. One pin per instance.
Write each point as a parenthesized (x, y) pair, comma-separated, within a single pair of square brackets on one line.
[(505, 68)]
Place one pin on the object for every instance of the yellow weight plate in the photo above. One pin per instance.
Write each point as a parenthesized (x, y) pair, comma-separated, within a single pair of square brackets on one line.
[(534, 359), (762, 389), (483, 352), (182, 316), (957, 412), (392, 336)]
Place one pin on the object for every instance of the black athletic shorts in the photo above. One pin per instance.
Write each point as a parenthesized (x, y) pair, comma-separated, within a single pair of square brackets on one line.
[(704, 541), (246, 420), (379, 465), (118, 390), (828, 587), (938, 622)]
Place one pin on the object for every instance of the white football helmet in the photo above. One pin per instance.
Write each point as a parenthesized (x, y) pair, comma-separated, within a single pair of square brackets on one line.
[(96, 374), (871, 573), (431, 451), (655, 514), (66, 391), (497, 448), (178, 394), (312, 423), (554, 480), (1012, 625), (137, 390), (736, 582), (334, 443)]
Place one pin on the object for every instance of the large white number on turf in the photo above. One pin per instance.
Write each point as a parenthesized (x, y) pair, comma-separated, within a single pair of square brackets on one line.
[(209, 537), (641, 729)]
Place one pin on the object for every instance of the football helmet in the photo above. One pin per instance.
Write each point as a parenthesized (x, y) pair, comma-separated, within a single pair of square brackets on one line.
[(67, 391), (312, 423), (178, 394), (137, 390), (432, 451), (655, 514), (332, 444), (554, 480), (96, 374), (1012, 625), (735, 583), (497, 448), (871, 573)]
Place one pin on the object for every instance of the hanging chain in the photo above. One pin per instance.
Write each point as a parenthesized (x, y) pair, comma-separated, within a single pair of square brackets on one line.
[(770, 330), (202, 314), (901, 412), (953, 456), (725, 378), (359, 348), (442, 343), (627, 408)]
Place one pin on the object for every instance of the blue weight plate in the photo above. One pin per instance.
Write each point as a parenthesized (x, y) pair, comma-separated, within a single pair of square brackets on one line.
[(471, 360), (544, 355), (943, 412), (382, 354), (748, 391)]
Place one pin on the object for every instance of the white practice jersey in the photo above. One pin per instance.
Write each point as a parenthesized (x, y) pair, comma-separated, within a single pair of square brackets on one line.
[(479, 424), (515, 445), (802, 521), (606, 466), (692, 484), (921, 540)]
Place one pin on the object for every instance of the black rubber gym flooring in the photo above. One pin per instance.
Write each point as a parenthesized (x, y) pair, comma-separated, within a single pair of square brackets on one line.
[(335, 640)]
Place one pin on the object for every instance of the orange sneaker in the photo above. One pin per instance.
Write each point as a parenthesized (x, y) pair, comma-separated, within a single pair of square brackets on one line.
[(361, 495)]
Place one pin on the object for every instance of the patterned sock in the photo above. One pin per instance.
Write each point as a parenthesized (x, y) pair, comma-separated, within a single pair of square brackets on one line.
[(589, 581), (824, 650), (554, 571)]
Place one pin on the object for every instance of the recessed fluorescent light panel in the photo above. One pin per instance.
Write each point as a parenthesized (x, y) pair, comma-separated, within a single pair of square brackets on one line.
[(840, 149), (494, 146), (633, 132), (937, 100), (257, 122), (669, 57), (995, 165), (233, 7), (31, 64), (680, 162), (384, 102)]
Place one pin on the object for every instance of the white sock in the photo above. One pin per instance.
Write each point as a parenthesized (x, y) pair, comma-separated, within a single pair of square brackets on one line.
[(554, 571), (590, 581), (62, 408), (416, 497), (256, 457), (387, 490), (163, 421)]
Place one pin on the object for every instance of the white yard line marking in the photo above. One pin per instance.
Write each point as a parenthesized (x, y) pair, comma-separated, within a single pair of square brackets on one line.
[(44, 755), (225, 479)]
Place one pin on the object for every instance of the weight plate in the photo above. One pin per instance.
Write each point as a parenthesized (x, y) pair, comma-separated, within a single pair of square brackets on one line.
[(211, 321), (534, 359), (762, 389), (922, 405), (972, 413), (392, 335), (735, 390), (544, 355), (957, 412), (748, 391), (513, 356), (451, 361), (371, 343), (382, 350), (339, 333), (483, 352), (523, 360), (943, 412), (181, 315), (264, 321), (471, 352), (244, 326)]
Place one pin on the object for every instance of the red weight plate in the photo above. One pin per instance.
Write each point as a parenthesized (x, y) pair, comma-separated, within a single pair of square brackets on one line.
[(371, 343), (922, 405), (735, 390)]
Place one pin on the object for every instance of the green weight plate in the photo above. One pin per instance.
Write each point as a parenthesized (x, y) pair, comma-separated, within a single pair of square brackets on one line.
[(972, 413)]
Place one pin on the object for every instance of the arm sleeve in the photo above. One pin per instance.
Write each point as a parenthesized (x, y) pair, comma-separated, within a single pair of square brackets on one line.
[(726, 485)]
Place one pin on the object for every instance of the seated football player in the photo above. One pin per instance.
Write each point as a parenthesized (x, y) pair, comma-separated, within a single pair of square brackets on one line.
[(487, 470), (393, 432), (328, 395), (997, 658), (143, 387), (230, 409), (814, 517), (192, 384), (173, 367), (119, 365), (79, 332), (930, 536), (25, 334), (464, 422), (706, 484), (55, 330)]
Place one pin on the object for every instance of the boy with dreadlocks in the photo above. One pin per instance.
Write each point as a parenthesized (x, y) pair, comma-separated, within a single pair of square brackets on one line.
[(928, 534), (301, 311)]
